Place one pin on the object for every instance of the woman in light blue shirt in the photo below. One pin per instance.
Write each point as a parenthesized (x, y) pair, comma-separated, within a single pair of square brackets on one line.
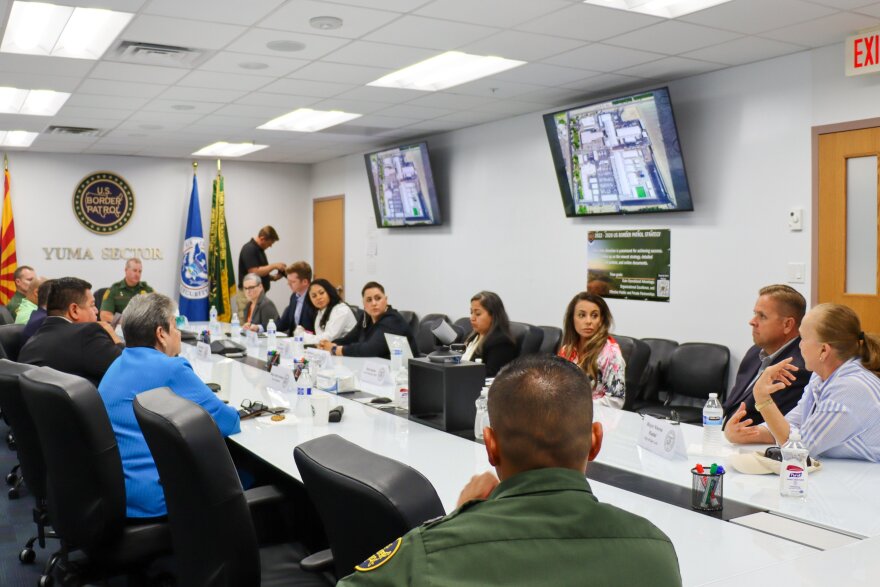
[(838, 413), (150, 360)]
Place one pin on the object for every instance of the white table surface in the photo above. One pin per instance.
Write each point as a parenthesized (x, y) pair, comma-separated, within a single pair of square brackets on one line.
[(705, 545)]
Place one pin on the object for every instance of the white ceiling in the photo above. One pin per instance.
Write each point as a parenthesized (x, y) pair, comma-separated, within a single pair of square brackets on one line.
[(574, 52)]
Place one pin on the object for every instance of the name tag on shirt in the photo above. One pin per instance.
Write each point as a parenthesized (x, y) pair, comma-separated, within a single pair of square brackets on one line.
[(203, 350), (281, 378), (663, 438), (376, 373)]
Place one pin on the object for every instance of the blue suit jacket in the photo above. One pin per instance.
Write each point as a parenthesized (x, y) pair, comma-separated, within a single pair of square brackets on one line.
[(288, 322)]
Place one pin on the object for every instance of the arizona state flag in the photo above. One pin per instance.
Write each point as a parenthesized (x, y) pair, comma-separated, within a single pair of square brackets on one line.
[(8, 262), (221, 273)]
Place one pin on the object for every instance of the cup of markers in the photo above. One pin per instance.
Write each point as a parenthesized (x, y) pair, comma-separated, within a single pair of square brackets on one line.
[(707, 492)]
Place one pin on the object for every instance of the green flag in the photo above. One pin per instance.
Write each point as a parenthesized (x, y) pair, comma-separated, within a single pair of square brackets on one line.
[(221, 274)]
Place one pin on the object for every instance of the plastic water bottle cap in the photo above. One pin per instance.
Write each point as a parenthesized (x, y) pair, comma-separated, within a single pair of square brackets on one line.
[(713, 396)]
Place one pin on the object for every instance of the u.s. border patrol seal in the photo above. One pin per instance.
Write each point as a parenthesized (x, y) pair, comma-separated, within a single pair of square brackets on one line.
[(380, 558), (103, 202)]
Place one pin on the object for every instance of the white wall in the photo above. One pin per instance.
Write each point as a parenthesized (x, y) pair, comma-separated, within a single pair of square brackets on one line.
[(746, 137), (256, 194)]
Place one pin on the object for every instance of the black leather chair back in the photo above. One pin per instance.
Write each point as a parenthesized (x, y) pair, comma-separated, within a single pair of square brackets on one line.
[(528, 338), (365, 500), (99, 296), (656, 377), (358, 313), (6, 316), (10, 341), (424, 336), (698, 369), (27, 442), (465, 325), (551, 341), (636, 354), (85, 484), (412, 319), (211, 527)]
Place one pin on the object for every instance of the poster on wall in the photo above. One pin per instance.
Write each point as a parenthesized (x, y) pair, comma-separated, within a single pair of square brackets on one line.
[(629, 264)]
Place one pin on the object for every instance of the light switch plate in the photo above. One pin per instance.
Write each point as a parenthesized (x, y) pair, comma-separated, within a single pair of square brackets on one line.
[(796, 272)]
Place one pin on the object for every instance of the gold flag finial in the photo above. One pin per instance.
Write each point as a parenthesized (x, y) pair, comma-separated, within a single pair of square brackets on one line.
[(195, 166), (218, 166), (5, 162)]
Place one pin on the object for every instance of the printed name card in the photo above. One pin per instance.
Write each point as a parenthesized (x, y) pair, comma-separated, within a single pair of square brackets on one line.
[(663, 438), (376, 373), (251, 338), (281, 378), (318, 357), (203, 350)]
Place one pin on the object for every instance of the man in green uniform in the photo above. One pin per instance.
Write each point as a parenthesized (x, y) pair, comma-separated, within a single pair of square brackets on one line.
[(23, 276), (116, 298), (541, 524)]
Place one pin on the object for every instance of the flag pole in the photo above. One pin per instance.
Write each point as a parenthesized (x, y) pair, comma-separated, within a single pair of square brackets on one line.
[(218, 166), (5, 162)]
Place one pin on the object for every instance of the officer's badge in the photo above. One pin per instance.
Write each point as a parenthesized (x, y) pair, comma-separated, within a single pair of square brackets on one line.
[(380, 558)]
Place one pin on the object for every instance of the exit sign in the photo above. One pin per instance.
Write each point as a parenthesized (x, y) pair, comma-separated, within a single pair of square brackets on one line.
[(863, 52)]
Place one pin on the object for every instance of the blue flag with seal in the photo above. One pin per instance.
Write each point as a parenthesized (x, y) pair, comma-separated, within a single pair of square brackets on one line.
[(194, 264)]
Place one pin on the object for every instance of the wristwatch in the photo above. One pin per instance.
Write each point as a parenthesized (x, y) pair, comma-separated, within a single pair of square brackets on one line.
[(764, 404), (333, 350)]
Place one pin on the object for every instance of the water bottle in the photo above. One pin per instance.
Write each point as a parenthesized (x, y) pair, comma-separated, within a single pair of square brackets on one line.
[(235, 326), (401, 388), (396, 356), (713, 415), (271, 336), (213, 324), (299, 347), (482, 418), (793, 472), (304, 395)]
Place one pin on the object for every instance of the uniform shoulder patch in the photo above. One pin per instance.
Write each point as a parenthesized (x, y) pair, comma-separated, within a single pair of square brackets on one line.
[(380, 558)]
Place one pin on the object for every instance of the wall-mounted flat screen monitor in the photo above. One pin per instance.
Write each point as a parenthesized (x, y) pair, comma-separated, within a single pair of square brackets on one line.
[(619, 156), (403, 187)]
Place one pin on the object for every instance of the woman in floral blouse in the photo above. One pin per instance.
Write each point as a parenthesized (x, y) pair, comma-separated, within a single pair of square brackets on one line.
[(586, 341)]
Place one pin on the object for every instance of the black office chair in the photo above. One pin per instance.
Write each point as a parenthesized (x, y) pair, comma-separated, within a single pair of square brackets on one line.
[(214, 539), (32, 466), (656, 377), (528, 338), (10, 341), (695, 370), (412, 319), (551, 341), (99, 296), (6, 316), (346, 483), (424, 337), (636, 354), (84, 480), (465, 325), (358, 313)]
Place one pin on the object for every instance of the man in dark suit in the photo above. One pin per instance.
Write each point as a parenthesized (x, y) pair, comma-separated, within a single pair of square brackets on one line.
[(71, 339), (300, 311), (777, 317)]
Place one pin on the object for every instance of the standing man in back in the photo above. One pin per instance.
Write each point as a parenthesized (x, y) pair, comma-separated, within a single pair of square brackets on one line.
[(541, 524), (23, 276), (116, 298), (252, 259)]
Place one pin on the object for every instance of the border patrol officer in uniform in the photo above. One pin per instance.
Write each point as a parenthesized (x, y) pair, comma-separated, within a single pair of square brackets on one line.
[(541, 524), (118, 295)]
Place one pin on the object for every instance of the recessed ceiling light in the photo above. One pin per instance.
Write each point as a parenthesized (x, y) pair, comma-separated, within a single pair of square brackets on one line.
[(285, 46), (182, 107), (663, 8), (308, 120), (325, 23), (36, 28), (224, 149), (31, 102), (17, 138), (445, 71), (253, 65)]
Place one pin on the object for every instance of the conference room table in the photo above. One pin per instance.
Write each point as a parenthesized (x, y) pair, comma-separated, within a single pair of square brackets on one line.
[(711, 551)]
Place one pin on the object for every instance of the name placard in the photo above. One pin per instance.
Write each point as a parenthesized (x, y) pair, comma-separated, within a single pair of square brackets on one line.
[(281, 378), (203, 350), (318, 357), (663, 438), (376, 373)]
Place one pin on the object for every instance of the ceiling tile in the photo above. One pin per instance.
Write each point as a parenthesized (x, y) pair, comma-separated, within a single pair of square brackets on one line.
[(552, 96), (194, 107), (386, 95), (672, 37), (755, 16), (229, 62), (46, 65), (451, 101), (605, 58), (339, 73), (228, 11), (823, 31), (473, 117), (295, 16), (493, 87), (353, 106), (180, 32), (670, 68), (211, 79), (605, 82), (871, 10), (393, 5), (416, 31), (37, 80), (178, 93), (496, 13), (515, 107), (287, 102), (306, 88), (436, 125), (23, 122), (262, 113), (520, 45), (366, 53), (255, 40), (136, 73), (119, 88), (415, 112), (110, 114), (589, 23), (842, 4), (541, 74), (744, 50), (106, 101), (178, 118), (379, 120)]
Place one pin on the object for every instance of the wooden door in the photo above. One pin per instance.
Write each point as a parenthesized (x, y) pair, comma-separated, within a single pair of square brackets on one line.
[(328, 240), (848, 252)]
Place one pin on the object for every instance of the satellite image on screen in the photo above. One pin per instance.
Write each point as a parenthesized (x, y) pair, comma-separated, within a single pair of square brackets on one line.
[(403, 188), (621, 156)]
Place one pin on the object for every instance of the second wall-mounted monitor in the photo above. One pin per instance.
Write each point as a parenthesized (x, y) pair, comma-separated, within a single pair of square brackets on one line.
[(620, 156), (403, 187)]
